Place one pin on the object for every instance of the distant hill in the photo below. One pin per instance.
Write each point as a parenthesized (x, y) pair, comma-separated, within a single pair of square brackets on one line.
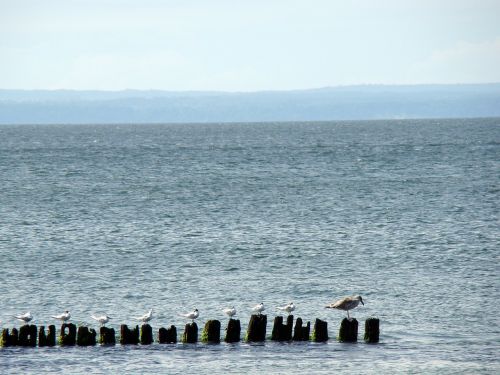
[(331, 103)]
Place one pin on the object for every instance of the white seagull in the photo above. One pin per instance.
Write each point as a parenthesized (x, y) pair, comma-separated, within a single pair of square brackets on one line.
[(230, 312), (26, 317), (64, 317), (146, 317), (288, 308), (346, 304), (192, 315), (259, 308), (103, 319)]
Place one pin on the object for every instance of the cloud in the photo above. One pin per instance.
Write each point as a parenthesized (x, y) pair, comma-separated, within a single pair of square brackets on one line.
[(464, 62)]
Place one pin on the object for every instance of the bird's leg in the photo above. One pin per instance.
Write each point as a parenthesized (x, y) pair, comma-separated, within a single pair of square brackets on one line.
[(348, 317)]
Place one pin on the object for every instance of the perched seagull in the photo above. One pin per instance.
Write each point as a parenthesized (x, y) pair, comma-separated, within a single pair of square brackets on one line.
[(103, 319), (192, 315), (64, 317), (259, 308), (26, 317), (346, 304), (146, 317), (230, 312), (288, 308)]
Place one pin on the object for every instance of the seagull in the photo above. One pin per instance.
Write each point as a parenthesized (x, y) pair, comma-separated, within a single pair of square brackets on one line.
[(146, 317), (259, 308), (26, 317), (346, 304), (103, 319), (230, 312), (64, 317), (288, 308), (192, 315)]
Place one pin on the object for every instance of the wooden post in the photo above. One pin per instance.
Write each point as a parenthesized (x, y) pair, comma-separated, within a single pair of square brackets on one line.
[(42, 337), (27, 335), (190, 335), (86, 336), (48, 339), (9, 339), (211, 332), (107, 336), (146, 334), (167, 335), (372, 330), (67, 339), (233, 331), (129, 336), (348, 331), (301, 333), (282, 332), (320, 331), (257, 328)]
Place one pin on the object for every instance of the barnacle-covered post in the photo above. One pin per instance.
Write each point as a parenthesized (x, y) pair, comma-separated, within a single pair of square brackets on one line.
[(320, 331), (348, 331), (233, 331), (372, 330), (211, 332), (167, 335), (257, 328), (190, 335)]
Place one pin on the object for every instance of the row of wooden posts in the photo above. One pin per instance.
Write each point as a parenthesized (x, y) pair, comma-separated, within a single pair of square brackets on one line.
[(84, 336)]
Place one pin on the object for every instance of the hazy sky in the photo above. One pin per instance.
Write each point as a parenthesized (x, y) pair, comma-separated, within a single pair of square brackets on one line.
[(246, 45)]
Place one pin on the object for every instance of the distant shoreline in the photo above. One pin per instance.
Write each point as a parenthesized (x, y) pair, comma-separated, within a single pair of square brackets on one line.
[(342, 103)]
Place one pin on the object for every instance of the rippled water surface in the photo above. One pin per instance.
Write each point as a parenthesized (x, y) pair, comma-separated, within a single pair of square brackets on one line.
[(120, 219)]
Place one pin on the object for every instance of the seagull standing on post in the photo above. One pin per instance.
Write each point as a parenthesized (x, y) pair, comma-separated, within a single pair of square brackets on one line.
[(346, 304), (288, 308), (259, 308), (230, 312), (146, 317), (26, 317), (101, 319), (192, 315), (64, 317)]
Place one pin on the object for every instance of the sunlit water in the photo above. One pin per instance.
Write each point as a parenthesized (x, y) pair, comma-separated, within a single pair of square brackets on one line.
[(120, 219)]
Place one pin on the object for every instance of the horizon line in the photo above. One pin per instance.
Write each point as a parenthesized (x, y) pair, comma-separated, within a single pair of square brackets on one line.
[(361, 85)]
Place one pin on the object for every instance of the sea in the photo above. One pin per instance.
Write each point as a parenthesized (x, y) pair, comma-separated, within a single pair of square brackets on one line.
[(119, 219)]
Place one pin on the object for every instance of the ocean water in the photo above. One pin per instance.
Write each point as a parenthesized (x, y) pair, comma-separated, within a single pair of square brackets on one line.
[(123, 218)]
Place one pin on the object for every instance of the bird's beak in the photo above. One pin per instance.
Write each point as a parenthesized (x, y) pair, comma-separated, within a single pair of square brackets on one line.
[(362, 302)]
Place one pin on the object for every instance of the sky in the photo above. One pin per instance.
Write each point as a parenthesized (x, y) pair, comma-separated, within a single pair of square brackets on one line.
[(231, 45)]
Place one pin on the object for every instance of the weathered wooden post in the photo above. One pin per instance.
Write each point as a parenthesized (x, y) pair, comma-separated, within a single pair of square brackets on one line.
[(27, 335), (257, 328), (48, 339), (233, 331), (86, 336), (348, 331), (190, 335), (282, 332), (146, 334), (320, 331), (301, 333), (372, 330), (9, 339), (167, 335), (129, 336), (67, 339), (107, 336), (211, 332)]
